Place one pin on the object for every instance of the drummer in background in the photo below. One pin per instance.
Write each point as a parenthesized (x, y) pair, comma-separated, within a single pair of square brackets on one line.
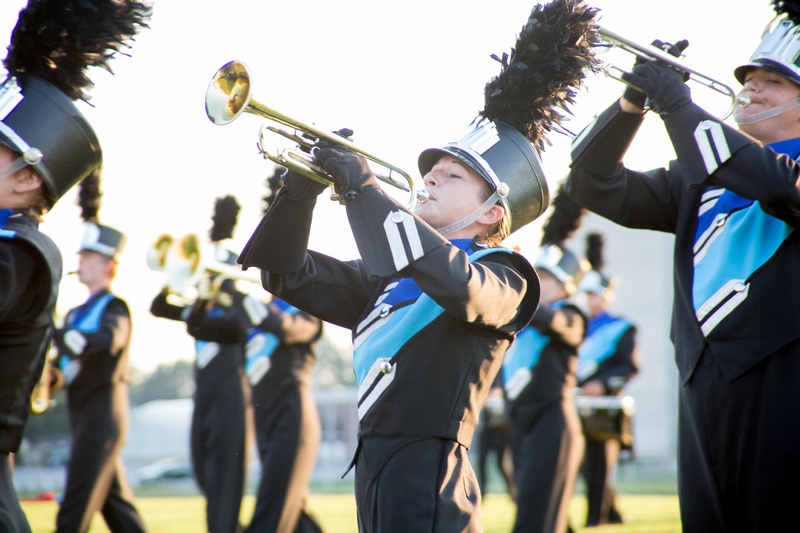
[(545, 435), (607, 360)]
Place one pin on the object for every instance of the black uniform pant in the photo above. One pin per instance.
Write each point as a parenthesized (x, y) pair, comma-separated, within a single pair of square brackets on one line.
[(288, 439), (12, 518), (547, 457), (218, 453), (739, 448), (427, 485), (95, 473), (493, 440), (599, 461)]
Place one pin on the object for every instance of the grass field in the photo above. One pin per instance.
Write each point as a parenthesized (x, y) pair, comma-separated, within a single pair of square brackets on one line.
[(336, 513)]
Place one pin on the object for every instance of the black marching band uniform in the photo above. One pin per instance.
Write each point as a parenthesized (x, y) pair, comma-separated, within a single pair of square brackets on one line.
[(431, 318), (39, 121), (608, 355), (96, 378), (733, 207), (539, 379), (280, 360), (218, 321)]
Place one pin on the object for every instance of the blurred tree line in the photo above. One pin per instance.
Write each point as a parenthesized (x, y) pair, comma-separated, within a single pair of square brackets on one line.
[(170, 381)]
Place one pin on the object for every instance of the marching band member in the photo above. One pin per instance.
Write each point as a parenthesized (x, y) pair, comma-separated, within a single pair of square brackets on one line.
[(539, 377), (433, 303), (731, 198), (279, 362), (607, 360), (218, 321), (46, 146), (93, 353)]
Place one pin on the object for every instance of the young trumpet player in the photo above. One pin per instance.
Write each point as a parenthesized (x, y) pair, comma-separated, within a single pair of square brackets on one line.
[(46, 146), (93, 352), (732, 201), (433, 303)]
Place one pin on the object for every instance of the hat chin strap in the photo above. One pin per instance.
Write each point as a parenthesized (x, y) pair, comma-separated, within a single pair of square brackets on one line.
[(764, 115), (472, 217), (29, 158)]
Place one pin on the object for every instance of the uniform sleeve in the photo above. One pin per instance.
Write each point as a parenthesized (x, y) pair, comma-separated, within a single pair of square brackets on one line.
[(623, 365), (114, 332), (292, 328), (161, 308), (17, 267), (228, 327), (566, 324), (712, 153)]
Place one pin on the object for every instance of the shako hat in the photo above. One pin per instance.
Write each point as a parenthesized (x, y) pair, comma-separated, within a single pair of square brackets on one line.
[(779, 49), (52, 45), (103, 239), (547, 63)]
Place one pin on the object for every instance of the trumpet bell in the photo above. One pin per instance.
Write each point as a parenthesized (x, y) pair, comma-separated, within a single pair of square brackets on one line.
[(228, 93)]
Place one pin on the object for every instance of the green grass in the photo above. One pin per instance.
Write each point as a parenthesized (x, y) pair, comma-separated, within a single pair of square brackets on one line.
[(647, 513)]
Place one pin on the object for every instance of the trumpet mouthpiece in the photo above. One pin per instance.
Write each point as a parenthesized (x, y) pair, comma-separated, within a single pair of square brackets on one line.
[(743, 100), (422, 195)]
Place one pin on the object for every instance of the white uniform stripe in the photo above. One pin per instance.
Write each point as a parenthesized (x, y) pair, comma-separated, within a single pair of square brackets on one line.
[(723, 293), (726, 309), (365, 403)]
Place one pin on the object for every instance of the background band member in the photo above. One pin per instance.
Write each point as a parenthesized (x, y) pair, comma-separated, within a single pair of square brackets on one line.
[(432, 303), (219, 323), (607, 360), (732, 201), (280, 360), (493, 439), (539, 377), (46, 146), (93, 352)]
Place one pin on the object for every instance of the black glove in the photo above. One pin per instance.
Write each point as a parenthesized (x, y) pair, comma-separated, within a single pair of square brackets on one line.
[(663, 85), (350, 171), (300, 187), (638, 98)]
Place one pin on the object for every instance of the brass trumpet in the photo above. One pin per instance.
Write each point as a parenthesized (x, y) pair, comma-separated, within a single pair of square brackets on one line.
[(185, 261), (229, 95), (610, 39)]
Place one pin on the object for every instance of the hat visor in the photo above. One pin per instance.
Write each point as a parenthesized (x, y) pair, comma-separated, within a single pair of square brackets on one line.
[(740, 72)]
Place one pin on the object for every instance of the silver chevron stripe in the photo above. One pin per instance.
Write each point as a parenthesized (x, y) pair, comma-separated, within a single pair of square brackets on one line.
[(518, 382), (733, 293), (10, 97), (365, 399), (711, 234), (372, 328), (707, 133), (391, 226), (709, 200)]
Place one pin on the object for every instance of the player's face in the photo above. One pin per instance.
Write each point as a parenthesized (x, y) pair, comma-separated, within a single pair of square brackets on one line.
[(92, 267), (456, 191), (552, 289), (768, 90)]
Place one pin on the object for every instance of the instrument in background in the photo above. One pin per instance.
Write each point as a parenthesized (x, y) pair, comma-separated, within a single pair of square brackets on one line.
[(610, 39), (50, 382), (185, 261), (229, 95), (607, 417)]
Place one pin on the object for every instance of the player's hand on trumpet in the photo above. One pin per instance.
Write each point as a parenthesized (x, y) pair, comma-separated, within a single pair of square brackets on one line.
[(350, 171), (637, 97), (664, 86)]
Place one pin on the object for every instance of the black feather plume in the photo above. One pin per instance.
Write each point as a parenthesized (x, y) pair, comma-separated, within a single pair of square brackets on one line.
[(57, 40), (89, 196), (565, 219), (226, 212), (547, 64), (792, 9), (595, 252), (274, 184)]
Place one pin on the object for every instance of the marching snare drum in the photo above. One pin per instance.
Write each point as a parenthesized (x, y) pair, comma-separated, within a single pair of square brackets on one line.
[(607, 417)]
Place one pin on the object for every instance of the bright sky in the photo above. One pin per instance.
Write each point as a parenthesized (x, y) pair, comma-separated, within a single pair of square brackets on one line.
[(404, 76)]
